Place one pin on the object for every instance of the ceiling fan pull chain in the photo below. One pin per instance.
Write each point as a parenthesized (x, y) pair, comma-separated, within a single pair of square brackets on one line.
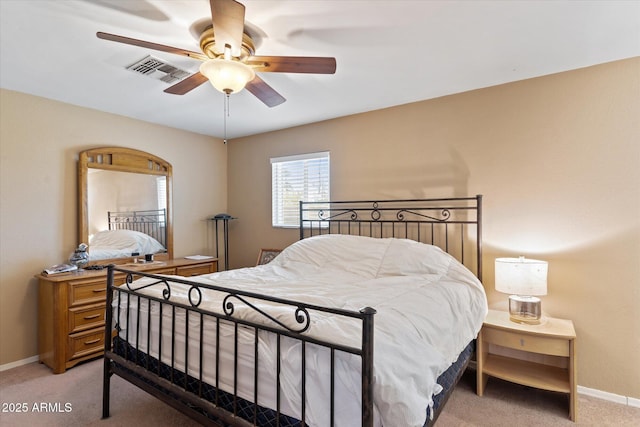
[(226, 113)]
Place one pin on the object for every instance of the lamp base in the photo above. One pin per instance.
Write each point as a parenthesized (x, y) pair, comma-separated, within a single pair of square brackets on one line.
[(525, 309)]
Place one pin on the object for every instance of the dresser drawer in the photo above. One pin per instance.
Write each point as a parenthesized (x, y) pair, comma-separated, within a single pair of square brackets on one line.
[(84, 343), (91, 290), (194, 270), (164, 271), (87, 291), (530, 343), (86, 317)]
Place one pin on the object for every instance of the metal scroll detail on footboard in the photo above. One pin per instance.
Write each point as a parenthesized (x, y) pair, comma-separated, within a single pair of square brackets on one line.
[(144, 319), (453, 224)]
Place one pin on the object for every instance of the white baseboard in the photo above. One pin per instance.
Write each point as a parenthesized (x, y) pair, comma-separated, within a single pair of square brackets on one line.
[(632, 401), (611, 397), (18, 363)]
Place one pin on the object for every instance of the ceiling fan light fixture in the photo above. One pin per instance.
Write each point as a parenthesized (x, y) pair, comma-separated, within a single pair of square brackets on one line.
[(227, 76)]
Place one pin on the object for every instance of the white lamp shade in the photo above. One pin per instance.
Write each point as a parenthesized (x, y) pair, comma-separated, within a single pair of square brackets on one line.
[(227, 76), (521, 276)]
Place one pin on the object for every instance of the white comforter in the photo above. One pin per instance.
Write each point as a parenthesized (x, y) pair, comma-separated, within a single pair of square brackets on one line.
[(428, 306)]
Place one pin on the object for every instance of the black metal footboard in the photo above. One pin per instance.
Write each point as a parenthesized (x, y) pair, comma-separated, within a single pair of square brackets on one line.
[(193, 355)]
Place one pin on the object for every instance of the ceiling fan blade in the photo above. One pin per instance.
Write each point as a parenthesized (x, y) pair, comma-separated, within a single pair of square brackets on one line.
[(265, 93), (188, 84), (150, 45), (227, 17), (293, 64)]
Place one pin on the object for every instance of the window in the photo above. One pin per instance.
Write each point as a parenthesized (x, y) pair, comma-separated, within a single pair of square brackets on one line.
[(161, 187), (294, 178)]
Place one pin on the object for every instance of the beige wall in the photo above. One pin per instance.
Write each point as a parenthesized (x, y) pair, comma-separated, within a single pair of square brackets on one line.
[(558, 161), (39, 144), (557, 158)]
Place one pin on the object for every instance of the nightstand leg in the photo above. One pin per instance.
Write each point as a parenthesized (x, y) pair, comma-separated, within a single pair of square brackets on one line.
[(573, 382)]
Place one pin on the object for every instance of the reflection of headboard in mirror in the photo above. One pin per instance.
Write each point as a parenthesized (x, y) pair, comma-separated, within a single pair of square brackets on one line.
[(127, 182)]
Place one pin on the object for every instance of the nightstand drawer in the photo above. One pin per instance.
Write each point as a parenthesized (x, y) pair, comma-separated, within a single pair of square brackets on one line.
[(88, 317), (525, 342), (84, 343)]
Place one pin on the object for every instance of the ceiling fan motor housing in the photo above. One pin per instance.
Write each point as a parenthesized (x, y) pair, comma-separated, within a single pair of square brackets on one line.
[(207, 44)]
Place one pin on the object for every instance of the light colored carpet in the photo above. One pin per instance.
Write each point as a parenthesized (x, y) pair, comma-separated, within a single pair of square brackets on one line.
[(79, 393)]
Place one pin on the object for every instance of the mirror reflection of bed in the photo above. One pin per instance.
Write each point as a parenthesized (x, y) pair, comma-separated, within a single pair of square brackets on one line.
[(127, 214), (124, 204)]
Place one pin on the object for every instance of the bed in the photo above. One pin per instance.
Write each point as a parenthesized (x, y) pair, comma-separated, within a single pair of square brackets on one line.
[(292, 342), (133, 232)]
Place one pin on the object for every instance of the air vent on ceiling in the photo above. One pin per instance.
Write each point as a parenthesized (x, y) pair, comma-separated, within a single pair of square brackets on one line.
[(153, 67)]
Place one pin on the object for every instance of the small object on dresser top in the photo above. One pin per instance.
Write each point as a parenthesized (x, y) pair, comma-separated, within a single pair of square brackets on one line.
[(80, 257), (59, 268), (141, 263), (198, 257)]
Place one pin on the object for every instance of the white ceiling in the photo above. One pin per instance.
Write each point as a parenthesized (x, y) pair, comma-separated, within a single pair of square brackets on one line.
[(388, 53)]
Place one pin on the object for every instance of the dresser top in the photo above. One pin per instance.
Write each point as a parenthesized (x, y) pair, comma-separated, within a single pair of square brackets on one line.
[(139, 266)]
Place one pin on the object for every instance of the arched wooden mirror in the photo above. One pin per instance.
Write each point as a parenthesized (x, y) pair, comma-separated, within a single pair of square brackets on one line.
[(124, 203)]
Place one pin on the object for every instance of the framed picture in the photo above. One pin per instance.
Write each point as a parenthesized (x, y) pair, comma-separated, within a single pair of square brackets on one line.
[(266, 255)]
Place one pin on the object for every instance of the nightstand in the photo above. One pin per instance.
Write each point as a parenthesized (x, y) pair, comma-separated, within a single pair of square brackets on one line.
[(541, 356)]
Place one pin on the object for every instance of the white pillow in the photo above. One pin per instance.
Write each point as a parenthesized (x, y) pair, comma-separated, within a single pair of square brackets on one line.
[(366, 256), (408, 257), (129, 240), (353, 254)]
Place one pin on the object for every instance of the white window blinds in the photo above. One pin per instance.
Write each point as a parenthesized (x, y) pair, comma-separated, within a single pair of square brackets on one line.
[(294, 178), (161, 186)]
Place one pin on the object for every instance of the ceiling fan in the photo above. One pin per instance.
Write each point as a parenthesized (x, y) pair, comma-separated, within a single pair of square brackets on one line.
[(229, 60)]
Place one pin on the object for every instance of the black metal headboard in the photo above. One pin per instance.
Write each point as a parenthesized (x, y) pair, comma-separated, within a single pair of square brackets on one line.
[(149, 222), (453, 224)]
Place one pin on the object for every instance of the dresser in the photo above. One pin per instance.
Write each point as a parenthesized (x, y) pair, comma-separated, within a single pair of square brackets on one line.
[(71, 309)]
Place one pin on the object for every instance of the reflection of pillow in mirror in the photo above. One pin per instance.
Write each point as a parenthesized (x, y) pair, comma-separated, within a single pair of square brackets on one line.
[(132, 241)]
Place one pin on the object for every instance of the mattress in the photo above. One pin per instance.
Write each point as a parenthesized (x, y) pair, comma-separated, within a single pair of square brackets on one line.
[(448, 380), (429, 307)]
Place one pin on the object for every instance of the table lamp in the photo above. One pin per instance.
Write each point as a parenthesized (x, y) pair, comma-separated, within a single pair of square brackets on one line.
[(522, 278)]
